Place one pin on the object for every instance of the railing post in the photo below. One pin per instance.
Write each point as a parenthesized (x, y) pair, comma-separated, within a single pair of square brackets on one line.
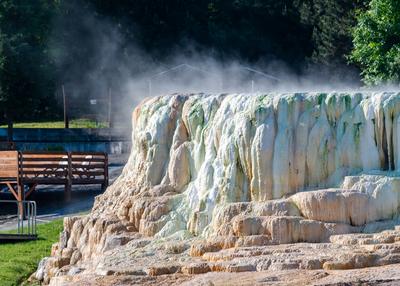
[(34, 217), (28, 216), (106, 180), (18, 219), (10, 137), (69, 179), (20, 187), (29, 231), (65, 101)]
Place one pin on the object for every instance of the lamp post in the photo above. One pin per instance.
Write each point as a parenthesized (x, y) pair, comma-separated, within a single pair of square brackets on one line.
[(66, 121), (110, 123)]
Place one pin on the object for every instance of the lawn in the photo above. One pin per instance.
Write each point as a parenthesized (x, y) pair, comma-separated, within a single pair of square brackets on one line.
[(75, 123), (19, 260)]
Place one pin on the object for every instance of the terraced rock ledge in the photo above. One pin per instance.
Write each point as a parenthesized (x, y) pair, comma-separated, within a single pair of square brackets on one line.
[(246, 189)]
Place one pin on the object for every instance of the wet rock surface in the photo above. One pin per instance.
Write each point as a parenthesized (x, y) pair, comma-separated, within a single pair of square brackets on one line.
[(246, 189)]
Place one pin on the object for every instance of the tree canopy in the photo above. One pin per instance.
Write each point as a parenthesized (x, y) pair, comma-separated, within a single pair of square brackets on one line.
[(46, 43), (26, 68), (377, 42)]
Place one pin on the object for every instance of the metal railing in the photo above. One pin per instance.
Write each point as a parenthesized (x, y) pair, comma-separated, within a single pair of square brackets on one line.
[(26, 217)]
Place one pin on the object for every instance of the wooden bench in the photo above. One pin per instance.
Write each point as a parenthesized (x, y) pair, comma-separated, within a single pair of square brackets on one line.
[(19, 169)]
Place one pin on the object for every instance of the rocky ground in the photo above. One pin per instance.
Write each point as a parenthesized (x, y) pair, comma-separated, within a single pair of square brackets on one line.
[(385, 275), (355, 259), (255, 243)]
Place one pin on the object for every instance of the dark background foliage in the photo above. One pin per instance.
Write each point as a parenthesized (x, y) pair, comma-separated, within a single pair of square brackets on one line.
[(46, 43)]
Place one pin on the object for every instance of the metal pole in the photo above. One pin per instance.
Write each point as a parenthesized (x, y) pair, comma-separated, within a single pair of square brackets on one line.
[(28, 206), (110, 125), (66, 121), (34, 216), (22, 218), (19, 219), (149, 83), (252, 86), (10, 132)]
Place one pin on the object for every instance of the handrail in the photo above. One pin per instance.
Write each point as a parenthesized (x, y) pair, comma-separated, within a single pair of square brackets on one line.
[(29, 209)]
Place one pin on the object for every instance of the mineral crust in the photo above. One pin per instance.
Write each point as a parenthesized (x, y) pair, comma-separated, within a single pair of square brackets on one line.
[(246, 189)]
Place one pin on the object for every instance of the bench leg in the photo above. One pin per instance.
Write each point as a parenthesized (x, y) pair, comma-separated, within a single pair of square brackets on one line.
[(13, 191), (21, 198), (31, 190), (104, 186), (67, 192)]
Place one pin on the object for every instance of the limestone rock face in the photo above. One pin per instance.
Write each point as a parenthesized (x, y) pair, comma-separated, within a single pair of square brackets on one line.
[(236, 175)]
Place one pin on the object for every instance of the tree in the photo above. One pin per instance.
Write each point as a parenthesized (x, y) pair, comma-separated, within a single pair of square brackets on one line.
[(46, 43), (26, 79), (293, 31), (332, 22), (376, 41)]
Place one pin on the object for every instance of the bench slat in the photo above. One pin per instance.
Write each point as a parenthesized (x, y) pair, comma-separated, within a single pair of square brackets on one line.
[(88, 153), (91, 166), (57, 173), (7, 167), (8, 154), (44, 159), (43, 166), (83, 173), (8, 160), (87, 181), (9, 173), (41, 153), (87, 159)]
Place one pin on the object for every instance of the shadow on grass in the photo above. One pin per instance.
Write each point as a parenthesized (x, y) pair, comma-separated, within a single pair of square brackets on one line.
[(20, 241)]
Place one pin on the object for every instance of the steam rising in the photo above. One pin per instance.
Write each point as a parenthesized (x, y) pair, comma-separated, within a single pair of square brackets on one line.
[(111, 63)]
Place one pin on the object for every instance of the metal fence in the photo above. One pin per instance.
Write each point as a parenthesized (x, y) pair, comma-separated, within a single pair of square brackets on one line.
[(25, 221)]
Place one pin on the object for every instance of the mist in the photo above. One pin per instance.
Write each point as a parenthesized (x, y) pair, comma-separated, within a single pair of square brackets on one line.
[(96, 61)]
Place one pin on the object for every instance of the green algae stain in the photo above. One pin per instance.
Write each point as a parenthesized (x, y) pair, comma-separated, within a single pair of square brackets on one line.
[(321, 98), (195, 118), (202, 206), (357, 133), (347, 101), (332, 100)]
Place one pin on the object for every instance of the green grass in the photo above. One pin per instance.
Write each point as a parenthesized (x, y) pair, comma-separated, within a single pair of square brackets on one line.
[(75, 123), (19, 260)]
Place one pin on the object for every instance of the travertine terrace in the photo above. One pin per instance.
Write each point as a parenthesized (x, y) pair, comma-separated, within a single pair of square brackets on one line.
[(246, 189)]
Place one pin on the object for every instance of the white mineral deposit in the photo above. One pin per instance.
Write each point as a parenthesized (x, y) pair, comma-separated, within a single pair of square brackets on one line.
[(297, 188)]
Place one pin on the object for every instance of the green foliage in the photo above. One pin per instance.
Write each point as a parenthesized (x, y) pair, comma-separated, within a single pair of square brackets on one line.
[(332, 22), (247, 29), (26, 79), (19, 260), (46, 43), (296, 32), (377, 42)]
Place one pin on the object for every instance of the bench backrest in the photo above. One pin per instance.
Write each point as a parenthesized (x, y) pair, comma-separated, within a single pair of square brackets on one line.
[(86, 166), (54, 167), (59, 166), (49, 165), (8, 164)]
